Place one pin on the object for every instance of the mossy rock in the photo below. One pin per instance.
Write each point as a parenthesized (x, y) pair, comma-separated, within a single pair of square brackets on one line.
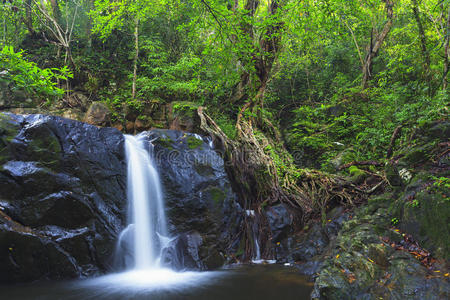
[(344, 157), (164, 142), (416, 155), (204, 169), (184, 116), (185, 108), (361, 266), (8, 130), (217, 195), (193, 142), (428, 220), (44, 146), (357, 175), (392, 175)]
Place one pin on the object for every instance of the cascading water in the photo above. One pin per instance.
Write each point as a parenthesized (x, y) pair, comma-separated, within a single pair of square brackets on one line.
[(146, 204), (142, 242)]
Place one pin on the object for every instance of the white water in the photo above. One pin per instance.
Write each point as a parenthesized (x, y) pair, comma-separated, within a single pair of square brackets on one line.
[(146, 203), (146, 234)]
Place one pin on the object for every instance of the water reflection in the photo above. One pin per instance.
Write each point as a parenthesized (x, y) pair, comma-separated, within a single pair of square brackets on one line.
[(245, 282)]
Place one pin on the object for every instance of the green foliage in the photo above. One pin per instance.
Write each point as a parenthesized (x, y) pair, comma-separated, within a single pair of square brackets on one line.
[(21, 74), (198, 52), (226, 124), (443, 182)]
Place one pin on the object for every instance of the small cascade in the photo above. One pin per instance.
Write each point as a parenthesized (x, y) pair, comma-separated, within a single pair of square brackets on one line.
[(146, 235), (257, 253)]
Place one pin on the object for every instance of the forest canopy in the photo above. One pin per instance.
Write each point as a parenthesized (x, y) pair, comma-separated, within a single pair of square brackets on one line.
[(324, 73)]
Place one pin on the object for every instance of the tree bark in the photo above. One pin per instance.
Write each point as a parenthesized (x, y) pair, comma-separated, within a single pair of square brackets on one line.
[(423, 43), (89, 6), (136, 56), (56, 10), (446, 53), (374, 47), (28, 17)]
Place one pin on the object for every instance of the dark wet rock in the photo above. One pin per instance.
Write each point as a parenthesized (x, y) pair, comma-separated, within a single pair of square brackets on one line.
[(62, 187), (26, 257), (310, 268), (198, 193), (309, 245), (280, 221), (182, 253)]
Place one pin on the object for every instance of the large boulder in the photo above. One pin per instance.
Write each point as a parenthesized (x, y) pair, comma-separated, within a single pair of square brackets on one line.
[(198, 196), (11, 97), (98, 114), (63, 197), (370, 260)]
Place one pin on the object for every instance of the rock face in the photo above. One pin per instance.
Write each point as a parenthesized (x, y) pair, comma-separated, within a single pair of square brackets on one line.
[(199, 200), (63, 200), (363, 264), (98, 114), (396, 246), (13, 98)]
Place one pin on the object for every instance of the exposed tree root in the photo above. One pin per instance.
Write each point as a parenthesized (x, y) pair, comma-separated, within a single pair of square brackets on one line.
[(256, 179), (361, 163)]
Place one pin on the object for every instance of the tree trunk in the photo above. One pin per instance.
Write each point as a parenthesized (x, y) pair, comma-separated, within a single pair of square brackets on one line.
[(423, 43), (374, 46), (56, 11), (136, 56), (28, 17), (89, 6), (446, 53)]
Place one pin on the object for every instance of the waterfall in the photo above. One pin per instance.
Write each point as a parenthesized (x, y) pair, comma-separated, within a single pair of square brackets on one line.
[(142, 243), (146, 235)]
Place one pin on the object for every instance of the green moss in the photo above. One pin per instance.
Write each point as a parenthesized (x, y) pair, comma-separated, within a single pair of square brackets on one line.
[(204, 169), (416, 155), (8, 130), (357, 174), (383, 200), (165, 142), (217, 195), (241, 248), (432, 215), (184, 108), (193, 142)]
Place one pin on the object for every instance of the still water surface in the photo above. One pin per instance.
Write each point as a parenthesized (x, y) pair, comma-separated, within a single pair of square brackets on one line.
[(260, 282)]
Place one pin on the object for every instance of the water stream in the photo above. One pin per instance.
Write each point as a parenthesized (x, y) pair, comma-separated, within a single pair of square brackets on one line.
[(142, 242), (146, 204)]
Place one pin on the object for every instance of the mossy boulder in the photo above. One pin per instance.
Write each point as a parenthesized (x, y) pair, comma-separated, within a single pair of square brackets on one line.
[(184, 116), (98, 114), (427, 218), (362, 265)]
